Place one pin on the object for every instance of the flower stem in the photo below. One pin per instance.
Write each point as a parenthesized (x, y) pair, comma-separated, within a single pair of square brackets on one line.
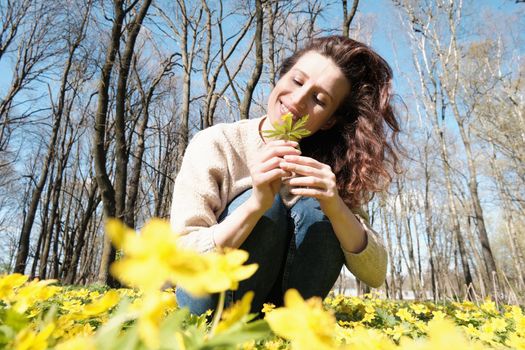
[(218, 313)]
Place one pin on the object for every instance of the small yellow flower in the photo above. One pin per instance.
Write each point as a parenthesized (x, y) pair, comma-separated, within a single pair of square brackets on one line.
[(249, 345), (463, 316), (305, 324), (471, 330), (489, 307), (498, 324), (235, 312), (438, 315), (368, 339), (273, 345), (419, 308), (398, 331), (405, 315), (106, 302), (268, 307), (422, 326), (488, 327)]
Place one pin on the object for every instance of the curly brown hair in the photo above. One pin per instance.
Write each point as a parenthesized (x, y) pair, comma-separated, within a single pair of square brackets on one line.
[(362, 146)]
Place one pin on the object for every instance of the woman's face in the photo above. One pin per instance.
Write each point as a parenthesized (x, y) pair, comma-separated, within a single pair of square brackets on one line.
[(313, 86)]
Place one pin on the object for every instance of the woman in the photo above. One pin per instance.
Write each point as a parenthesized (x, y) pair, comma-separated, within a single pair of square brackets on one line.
[(234, 187)]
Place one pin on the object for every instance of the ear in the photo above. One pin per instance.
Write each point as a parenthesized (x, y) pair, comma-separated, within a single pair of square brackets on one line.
[(329, 123)]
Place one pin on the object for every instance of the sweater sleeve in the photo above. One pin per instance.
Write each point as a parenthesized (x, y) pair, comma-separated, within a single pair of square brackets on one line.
[(196, 193), (370, 264)]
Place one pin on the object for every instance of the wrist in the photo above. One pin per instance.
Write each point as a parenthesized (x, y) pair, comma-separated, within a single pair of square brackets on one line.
[(336, 209), (254, 206)]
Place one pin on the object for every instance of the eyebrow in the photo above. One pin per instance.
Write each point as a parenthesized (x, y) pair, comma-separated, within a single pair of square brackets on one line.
[(319, 87)]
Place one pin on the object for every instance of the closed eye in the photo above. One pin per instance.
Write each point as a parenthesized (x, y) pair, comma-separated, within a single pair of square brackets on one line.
[(318, 101), (298, 82)]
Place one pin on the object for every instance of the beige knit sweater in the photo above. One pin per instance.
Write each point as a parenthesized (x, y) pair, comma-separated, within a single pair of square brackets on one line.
[(215, 170)]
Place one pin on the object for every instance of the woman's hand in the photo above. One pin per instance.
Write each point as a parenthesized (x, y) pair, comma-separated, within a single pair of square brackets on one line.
[(314, 179), (266, 172)]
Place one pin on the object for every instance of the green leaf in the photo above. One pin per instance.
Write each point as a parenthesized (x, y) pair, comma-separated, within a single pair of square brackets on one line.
[(386, 317), (15, 320), (239, 333), (6, 335), (128, 340), (288, 130)]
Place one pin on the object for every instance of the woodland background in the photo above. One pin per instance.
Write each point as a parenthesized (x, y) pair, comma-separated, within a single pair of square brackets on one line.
[(98, 100)]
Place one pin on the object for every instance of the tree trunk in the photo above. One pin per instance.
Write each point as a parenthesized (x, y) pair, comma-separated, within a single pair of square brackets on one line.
[(256, 73), (99, 145), (348, 17)]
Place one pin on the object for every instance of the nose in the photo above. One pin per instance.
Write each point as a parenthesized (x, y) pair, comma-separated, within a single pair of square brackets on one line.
[(299, 98)]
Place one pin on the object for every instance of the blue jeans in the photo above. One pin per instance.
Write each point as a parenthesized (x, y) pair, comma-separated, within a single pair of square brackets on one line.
[(295, 248)]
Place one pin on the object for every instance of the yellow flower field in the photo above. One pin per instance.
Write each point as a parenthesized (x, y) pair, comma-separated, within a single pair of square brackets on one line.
[(41, 314)]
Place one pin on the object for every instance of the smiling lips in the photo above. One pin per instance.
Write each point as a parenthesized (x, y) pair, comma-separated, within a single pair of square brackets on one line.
[(285, 109)]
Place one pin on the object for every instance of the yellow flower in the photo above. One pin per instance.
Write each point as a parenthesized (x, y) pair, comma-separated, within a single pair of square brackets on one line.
[(463, 316), (249, 345), (72, 306), (218, 272), (106, 302), (367, 339), (405, 315), (515, 342), (147, 256), (422, 326), (442, 334), (153, 257), (398, 331), (305, 324), (28, 339), (368, 317), (419, 308), (438, 315), (489, 307), (235, 312), (498, 324), (152, 311), (77, 343), (471, 330), (33, 292), (8, 284), (268, 307), (487, 331), (273, 345)]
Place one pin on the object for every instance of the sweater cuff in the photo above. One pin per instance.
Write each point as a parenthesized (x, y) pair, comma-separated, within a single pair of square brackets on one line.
[(200, 240)]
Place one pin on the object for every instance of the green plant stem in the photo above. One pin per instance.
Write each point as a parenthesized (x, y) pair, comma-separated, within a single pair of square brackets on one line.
[(218, 313)]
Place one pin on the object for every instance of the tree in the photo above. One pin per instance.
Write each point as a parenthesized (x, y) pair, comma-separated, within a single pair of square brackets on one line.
[(114, 195)]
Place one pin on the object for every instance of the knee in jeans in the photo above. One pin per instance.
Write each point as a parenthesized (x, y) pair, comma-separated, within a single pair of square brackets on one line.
[(307, 209), (277, 213)]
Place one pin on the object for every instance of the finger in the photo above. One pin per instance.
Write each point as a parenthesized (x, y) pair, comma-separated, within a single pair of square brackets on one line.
[(282, 143), (280, 151), (272, 175), (307, 181), (305, 170), (307, 192), (269, 164), (305, 161)]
